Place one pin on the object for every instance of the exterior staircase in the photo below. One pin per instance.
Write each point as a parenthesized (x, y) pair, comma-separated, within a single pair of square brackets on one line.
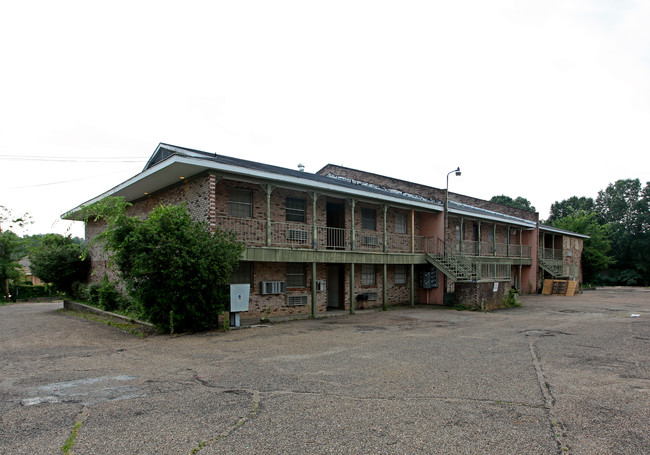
[(552, 266), (454, 266)]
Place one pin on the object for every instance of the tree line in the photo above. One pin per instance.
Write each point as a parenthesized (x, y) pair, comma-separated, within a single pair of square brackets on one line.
[(617, 222)]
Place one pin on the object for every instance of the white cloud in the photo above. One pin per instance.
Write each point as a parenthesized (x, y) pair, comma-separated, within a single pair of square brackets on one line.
[(544, 100)]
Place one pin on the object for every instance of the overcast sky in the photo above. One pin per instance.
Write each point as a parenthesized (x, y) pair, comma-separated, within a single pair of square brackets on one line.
[(541, 99)]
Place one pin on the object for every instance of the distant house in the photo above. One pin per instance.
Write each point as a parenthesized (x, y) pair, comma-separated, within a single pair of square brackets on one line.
[(26, 266), (343, 238)]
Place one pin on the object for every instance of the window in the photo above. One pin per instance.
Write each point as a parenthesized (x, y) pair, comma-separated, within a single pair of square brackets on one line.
[(240, 203), (243, 274), (400, 223), (491, 236), (295, 208), (296, 276), (400, 274), (369, 219), (368, 275)]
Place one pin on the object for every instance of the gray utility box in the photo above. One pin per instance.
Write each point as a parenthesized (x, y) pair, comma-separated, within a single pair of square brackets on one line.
[(239, 298)]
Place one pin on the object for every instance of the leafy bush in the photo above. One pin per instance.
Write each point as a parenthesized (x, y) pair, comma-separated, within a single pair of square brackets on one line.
[(510, 300), (109, 298), (174, 267), (79, 291), (92, 294), (28, 291)]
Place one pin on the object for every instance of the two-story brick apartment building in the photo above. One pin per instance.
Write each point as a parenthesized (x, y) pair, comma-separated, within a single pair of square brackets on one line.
[(344, 239)]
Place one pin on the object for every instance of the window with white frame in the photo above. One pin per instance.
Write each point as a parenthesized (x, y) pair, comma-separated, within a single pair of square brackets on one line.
[(240, 203), (400, 274), (400, 223), (368, 274), (295, 208), (369, 219), (296, 275)]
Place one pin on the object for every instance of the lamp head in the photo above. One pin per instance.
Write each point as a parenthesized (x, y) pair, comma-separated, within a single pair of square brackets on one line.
[(458, 171)]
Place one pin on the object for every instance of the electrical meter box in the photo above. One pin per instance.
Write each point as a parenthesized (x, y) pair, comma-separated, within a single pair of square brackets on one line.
[(429, 278), (239, 297)]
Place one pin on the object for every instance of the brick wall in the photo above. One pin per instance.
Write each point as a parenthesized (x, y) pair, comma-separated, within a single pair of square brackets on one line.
[(482, 295)]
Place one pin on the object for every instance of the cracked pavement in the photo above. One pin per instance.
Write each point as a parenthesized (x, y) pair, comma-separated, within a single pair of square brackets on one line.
[(559, 375)]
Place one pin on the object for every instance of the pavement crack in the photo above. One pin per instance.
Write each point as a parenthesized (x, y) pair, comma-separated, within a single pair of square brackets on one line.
[(557, 427), (256, 399), (74, 432)]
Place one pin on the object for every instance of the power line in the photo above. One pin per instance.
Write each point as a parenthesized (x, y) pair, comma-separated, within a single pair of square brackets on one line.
[(75, 159), (62, 181)]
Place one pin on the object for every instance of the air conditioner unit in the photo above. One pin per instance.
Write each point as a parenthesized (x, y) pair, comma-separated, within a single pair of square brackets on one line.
[(321, 285), (297, 235), (297, 300), (370, 240), (273, 287)]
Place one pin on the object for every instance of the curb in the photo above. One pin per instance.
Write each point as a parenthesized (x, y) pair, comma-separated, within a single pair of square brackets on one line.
[(82, 308)]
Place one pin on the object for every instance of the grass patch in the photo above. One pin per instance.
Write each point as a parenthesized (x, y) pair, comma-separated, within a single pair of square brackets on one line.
[(125, 326), (70, 442)]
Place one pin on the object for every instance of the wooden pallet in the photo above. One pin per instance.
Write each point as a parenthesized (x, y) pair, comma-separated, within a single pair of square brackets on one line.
[(560, 287)]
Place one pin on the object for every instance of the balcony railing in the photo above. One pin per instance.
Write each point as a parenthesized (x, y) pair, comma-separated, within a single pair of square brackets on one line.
[(489, 249), (253, 232), (551, 254)]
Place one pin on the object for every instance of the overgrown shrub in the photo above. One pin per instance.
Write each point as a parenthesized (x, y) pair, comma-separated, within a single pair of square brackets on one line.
[(510, 301), (92, 294), (29, 291), (174, 267), (79, 291), (109, 298)]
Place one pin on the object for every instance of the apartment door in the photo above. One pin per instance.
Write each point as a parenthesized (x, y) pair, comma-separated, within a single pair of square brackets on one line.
[(335, 286), (335, 225)]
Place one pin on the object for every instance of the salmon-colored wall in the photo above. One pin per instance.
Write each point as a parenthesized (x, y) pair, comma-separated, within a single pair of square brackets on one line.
[(529, 273), (433, 226)]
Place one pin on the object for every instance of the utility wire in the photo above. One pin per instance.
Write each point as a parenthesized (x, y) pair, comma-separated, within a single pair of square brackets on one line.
[(75, 159), (62, 181)]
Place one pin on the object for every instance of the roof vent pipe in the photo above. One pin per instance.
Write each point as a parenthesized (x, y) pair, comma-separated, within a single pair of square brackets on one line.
[(301, 167)]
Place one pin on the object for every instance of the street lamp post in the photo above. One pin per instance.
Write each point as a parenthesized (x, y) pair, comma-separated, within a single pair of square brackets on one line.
[(446, 214)]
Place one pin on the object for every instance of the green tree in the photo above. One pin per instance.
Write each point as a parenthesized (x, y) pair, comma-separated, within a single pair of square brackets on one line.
[(570, 206), (625, 207), (58, 260), (9, 244), (595, 252), (519, 202), (174, 267), (9, 267)]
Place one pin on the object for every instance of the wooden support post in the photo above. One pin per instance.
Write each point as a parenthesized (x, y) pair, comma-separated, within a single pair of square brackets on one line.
[(352, 288), (269, 190), (385, 210), (412, 231), (314, 229), (314, 294), (384, 288), (412, 291), (352, 230)]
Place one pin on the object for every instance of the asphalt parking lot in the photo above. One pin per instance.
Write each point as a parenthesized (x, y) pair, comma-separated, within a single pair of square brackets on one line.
[(558, 375)]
